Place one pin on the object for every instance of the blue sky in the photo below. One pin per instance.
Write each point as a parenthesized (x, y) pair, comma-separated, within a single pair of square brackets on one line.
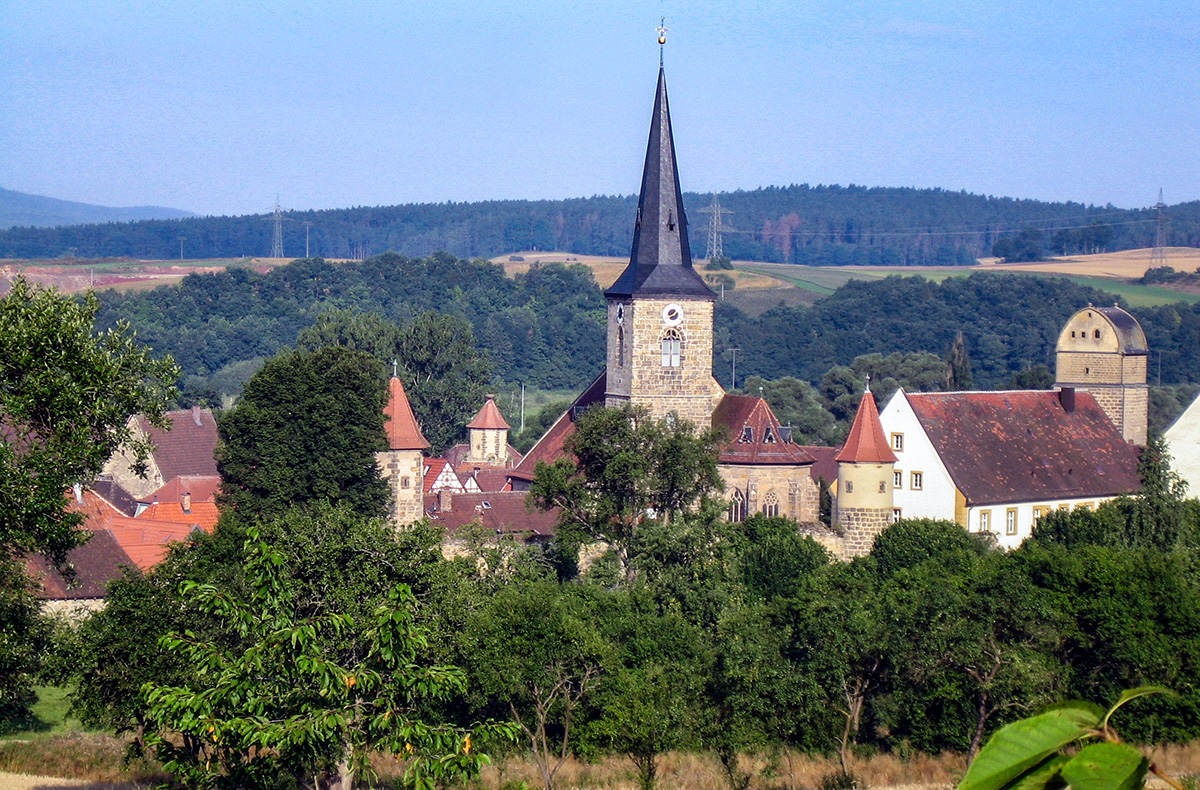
[(217, 106)]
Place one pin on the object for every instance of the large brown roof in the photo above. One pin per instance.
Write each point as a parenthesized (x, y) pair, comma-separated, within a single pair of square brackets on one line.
[(403, 433), (866, 443), (203, 488), (502, 512), (186, 447), (824, 462), (1026, 446), (489, 417), (96, 563), (755, 436)]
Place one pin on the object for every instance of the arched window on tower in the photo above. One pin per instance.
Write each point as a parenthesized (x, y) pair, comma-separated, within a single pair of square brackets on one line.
[(737, 507), (771, 504), (671, 345), (620, 345)]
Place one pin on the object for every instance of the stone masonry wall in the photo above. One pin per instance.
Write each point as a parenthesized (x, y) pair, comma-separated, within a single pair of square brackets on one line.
[(794, 489), (403, 471), (860, 527)]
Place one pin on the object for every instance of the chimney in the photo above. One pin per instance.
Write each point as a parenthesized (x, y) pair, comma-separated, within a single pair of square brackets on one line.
[(443, 500), (196, 415), (78, 489), (186, 502), (1066, 397)]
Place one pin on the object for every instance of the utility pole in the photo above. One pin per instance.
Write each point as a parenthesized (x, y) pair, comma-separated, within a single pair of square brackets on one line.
[(1158, 257), (733, 374), (181, 238), (307, 225)]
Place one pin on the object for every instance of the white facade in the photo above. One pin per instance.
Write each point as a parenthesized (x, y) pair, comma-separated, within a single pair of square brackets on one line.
[(1183, 443), (934, 494)]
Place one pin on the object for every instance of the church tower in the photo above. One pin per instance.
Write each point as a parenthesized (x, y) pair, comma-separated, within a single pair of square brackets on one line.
[(660, 312), (402, 465), (863, 506), (1103, 350)]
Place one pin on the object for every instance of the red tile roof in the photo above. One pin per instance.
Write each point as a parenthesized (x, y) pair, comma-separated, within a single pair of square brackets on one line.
[(1026, 446), (754, 434), (489, 417), (144, 540), (186, 448), (866, 443), (434, 467), (824, 462), (501, 512), (403, 433), (488, 478), (550, 447), (96, 563), (203, 488), (201, 514)]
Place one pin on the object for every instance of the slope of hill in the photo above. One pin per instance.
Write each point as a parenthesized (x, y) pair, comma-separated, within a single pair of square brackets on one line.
[(818, 225), (20, 209)]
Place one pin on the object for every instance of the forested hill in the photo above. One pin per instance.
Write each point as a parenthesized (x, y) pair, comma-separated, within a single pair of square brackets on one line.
[(18, 208), (800, 224), (545, 328)]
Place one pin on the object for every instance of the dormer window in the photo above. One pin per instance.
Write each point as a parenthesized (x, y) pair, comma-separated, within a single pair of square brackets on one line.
[(747, 434), (768, 436)]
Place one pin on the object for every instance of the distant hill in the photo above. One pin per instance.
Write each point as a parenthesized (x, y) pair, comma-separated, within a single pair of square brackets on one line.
[(819, 225), (20, 209)]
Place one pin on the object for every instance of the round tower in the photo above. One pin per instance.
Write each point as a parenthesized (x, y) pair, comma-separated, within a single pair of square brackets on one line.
[(1103, 351), (863, 506)]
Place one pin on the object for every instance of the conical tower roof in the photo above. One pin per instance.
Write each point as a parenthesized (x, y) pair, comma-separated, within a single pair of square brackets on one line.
[(489, 417), (403, 433), (866, 443), (660, 263)]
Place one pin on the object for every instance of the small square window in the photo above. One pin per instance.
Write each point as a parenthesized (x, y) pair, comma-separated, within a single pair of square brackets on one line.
[(849, 486), (917, 481), (406, 482), (898, 442), (895, 514), (897, 479)]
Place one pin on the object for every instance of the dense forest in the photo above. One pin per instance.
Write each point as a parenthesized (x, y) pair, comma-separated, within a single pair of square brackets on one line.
[(545, 328), (821, 225)]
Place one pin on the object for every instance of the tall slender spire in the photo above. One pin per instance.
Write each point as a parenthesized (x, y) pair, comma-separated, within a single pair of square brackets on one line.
[(660, 263)]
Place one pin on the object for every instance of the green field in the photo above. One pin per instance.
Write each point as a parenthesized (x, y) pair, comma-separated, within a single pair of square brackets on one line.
[(51, 712), (824, 280)]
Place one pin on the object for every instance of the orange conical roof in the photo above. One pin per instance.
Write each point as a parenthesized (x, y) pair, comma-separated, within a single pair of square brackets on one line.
[(866, 443), (403, 433), (489, 417)]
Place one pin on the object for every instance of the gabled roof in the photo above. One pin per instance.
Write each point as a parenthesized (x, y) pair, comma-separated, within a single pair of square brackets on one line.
[(660, 263), (489, 417), (550, 447), (96, 563), (144, 540), (1026, 446), (755, 436), (115, 496), (499, 512), (866, 443), (186, 447), (440, 475), (202, 515), (403, 433), (203, 488)]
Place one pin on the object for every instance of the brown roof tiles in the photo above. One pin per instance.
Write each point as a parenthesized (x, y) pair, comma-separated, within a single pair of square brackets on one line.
[(403, 433), (866, 443), (489, 417), (755, 436)]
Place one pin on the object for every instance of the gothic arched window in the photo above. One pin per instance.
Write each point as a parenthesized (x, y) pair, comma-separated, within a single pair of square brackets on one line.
[(671, 344), (737, 507), (771, 504)]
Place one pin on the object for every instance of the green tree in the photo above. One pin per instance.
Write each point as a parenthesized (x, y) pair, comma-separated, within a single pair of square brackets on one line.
[(958, 366), (626, 470), (369, 332), (66, 396), (281, 711), (306, 429)]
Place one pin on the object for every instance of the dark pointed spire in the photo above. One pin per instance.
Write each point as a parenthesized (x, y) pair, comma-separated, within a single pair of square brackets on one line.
[(660, 263)]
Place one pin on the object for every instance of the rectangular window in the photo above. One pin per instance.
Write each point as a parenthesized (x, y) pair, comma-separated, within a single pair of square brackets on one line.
[(1037, 515), (895, 514), (898, 442), (405, 482), (897, 479), (849, 486), (670, 350), (1010, 521), (985, 521), (917, 481)]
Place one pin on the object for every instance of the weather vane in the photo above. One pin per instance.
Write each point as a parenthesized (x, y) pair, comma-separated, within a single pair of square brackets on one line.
[(662, 37)]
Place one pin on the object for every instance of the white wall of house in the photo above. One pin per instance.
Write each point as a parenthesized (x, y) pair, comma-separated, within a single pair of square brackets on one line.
[(935, 497), (1011, 530), (1183, 442)]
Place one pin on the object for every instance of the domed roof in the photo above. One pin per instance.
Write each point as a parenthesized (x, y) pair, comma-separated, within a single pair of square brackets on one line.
[(1127, 335)]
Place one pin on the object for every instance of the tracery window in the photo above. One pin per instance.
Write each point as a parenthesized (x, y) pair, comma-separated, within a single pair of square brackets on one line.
[(737, 507), (671, 345), (771, 505)]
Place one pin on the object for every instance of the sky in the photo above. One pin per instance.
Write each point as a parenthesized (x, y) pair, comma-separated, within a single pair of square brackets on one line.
[(217, 107)]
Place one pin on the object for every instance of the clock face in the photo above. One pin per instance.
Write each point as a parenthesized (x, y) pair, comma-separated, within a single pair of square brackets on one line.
[(672, 315)]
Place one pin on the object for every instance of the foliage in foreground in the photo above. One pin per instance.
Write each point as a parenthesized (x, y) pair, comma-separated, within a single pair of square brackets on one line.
[(282, 707)]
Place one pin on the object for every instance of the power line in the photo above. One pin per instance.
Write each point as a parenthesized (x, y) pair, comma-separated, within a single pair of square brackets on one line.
[(1158, 258), (277, 243), (715, 227)]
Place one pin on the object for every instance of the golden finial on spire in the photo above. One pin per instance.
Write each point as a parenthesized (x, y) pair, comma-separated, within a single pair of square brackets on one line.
[(662, 31)]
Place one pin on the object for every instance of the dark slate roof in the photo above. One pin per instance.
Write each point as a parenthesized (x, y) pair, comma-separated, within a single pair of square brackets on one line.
[(660, 263), (96, 563), (1133, 339), (764, 443), (115, 495), (1025, 446), (866, 443), (550, 447), (503, 512), (186, 448)]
